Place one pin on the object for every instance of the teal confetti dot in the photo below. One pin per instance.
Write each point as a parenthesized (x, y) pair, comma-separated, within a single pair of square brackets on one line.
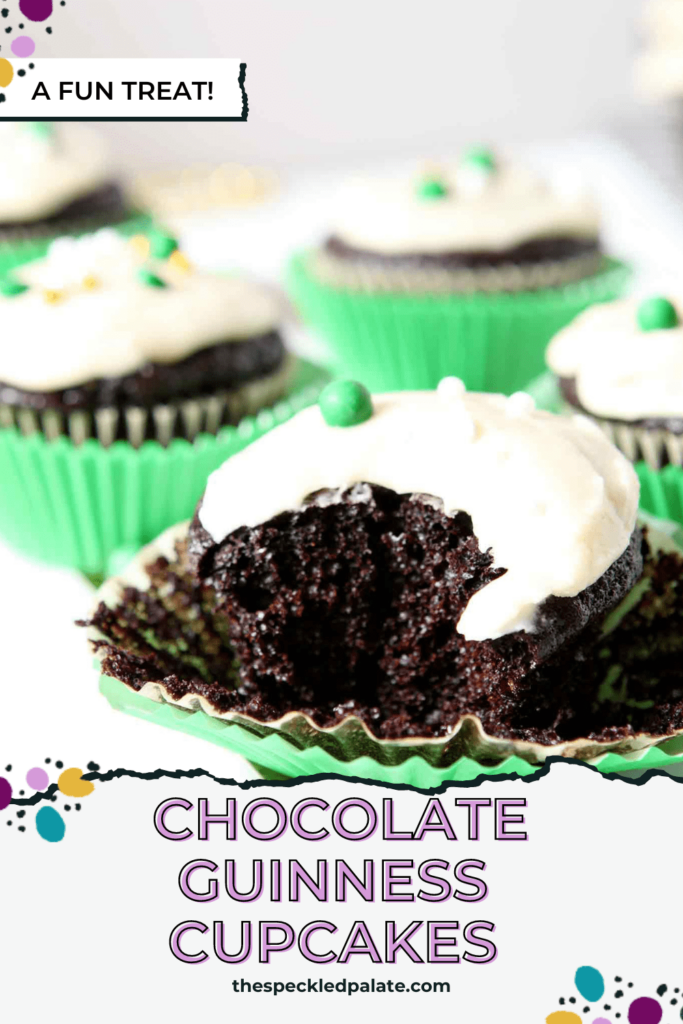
[(50, 825), (657, 314), (151, 280), (590, 983), (431, 188), (345, 403)]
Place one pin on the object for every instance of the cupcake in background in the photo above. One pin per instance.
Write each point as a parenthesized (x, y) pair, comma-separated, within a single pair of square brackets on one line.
[(55, 180), (621, 364), (466, 269), (123, 374)]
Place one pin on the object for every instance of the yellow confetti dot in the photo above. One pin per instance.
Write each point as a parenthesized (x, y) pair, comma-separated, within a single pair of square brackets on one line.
[(140, 245), (563, 1017), (6, 73), (90, 282), (179, 261), (53, 295), (71, 784)]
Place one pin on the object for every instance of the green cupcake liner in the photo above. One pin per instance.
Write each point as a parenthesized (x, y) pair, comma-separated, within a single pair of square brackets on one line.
[(14, 252), (277, 756), (76, 505), (493, 342), (661, 490)]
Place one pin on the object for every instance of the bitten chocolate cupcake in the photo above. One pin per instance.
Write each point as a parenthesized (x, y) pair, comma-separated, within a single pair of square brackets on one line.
[(412, 576), (622, 365), (464, 269), (55, 180), (120, 354)]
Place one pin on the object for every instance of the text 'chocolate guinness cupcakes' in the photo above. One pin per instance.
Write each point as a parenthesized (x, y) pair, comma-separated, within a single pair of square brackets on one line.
[(464, 269), (122, 373), (55, 180), (622, 365), (440, 576)]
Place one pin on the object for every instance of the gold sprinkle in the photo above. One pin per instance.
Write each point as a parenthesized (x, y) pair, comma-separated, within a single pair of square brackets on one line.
[(90, 282), (140, 245), (179, 261), (53, 295)]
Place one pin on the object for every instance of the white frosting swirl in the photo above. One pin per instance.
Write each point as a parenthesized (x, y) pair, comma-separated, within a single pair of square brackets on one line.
[(40, 174), (480, 212), (621, 371), (121, 323), (551, 497)]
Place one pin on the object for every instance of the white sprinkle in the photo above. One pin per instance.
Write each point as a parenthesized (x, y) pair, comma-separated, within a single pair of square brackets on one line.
[(450, 389), (520, 404)]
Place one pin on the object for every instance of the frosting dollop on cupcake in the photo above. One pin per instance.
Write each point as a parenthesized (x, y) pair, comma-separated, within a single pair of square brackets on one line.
[(44, 168), (101, 306), (624, 360), (550, 500), (480, 204)]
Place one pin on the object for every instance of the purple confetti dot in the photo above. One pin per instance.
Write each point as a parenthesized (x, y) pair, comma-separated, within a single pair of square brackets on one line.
[(5, 793), (644, 1011), (36, 10), (23, 46), (37, 778), (601, 1020)]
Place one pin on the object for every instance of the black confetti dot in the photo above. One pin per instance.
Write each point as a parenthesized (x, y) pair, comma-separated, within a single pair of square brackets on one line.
[(47, 760), (21, 26), (586, 1009), (20, 814), (618, 994), (673, 1002), (21, 73), (607, 1006), (2, 97), (5, 12), (571, 999), (9, 822), (67, 807), (561, 1001), (661, 990), (617, 979), (630, 984), (8, 768), (49, 31), (22, 828), (59, 764), (9, 29), (77, 806), (21, 792), (31, 66), (93, 767)]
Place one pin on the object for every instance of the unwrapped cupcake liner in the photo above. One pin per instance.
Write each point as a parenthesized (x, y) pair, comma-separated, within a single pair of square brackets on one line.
[(395, 340), (31, 242), (187, 418), (76, 504), (657, 454), (294, 746)]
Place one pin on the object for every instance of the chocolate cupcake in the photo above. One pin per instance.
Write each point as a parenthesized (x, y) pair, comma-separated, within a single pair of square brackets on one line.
[(55, 180), (466, 269), (127, 372), (366, 593), (621, 364)]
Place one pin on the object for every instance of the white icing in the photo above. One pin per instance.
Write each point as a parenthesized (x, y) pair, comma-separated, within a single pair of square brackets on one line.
[(122, 323), (39, 175), (621, 372), (479, 213), (549, 495)]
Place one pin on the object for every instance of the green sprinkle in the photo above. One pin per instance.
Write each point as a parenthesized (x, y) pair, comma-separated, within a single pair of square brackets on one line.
[(656, 314), (9, 287), (480, 158), (161, 245), (345, 403), (42, 129), (431, 188), (151, 280)]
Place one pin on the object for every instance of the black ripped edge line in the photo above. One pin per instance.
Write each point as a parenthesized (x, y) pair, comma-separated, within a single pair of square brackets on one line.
[(244, 116), (193, 773)]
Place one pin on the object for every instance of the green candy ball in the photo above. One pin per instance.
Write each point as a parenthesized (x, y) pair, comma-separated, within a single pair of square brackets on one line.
[(431, 188), (149, 279), (656, 314), (161, 245), (345, 403), (9, 287), (480, 158)]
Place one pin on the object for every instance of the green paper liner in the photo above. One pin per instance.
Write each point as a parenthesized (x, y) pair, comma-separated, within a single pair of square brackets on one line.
[(76, 505), (33, 246), (294, 746), (396, 341), (661, 490)]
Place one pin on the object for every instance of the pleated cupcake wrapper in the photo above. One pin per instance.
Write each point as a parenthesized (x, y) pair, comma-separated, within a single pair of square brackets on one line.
[(294, 745), (162, 423), (77, 504), (370, 276), (657, 454), (31, 242), (403, 340)]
